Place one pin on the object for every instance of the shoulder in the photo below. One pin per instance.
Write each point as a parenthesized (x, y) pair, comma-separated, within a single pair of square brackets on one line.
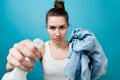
[(42, 49)]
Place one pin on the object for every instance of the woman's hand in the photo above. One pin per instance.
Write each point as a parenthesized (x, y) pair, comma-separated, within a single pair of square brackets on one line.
[(104, 72), (17, 54)]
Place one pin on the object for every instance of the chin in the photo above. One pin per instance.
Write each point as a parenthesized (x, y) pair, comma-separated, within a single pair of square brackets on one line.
[(58, 41)]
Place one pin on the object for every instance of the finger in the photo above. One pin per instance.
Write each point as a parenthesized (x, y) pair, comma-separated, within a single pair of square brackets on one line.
[(9, 67), (26, 52), (16, 63), (12, 61), (104, 72), (28, 64), (16, 54), (29, 44)]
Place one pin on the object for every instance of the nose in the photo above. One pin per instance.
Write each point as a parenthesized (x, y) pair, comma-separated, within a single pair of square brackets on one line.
[(57, 33)]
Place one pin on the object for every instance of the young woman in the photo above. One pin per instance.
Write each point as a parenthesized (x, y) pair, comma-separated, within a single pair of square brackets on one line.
[(53, 53)]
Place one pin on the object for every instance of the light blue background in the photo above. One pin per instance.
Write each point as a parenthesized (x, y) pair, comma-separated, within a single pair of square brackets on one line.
[(25, 19)]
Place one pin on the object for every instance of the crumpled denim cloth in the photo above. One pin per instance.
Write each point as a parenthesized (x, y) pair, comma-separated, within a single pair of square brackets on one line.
[(86, 56)]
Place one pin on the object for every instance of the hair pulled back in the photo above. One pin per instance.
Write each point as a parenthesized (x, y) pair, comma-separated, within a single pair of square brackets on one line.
[(58, 10), (59, 4)]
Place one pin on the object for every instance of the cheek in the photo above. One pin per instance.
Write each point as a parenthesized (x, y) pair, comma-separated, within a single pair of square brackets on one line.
[(64, 33), (51, 34)]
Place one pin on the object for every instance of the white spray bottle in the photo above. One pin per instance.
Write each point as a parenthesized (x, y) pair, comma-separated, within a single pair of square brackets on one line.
[(18, 74)]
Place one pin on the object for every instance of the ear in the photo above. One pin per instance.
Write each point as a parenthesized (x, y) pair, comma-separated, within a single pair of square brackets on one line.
[(68, 24), (46, 25)]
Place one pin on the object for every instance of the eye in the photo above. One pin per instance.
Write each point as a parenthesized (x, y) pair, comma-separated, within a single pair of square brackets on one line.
[(52, 27), (62, 27)]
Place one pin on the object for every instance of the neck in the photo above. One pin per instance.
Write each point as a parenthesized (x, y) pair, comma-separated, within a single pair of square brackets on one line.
[(62, 45)]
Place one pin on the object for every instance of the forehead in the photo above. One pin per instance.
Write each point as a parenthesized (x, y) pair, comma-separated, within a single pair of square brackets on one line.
[(56, 20)]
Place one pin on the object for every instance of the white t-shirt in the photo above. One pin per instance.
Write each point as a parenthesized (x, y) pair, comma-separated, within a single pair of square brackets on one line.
[(53, 69)]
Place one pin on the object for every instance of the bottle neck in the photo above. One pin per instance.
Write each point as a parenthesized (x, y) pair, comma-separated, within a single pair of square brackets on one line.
[(16, 71)]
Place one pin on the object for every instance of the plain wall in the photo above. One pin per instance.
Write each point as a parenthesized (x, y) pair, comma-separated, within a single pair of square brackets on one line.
[(25, 19)]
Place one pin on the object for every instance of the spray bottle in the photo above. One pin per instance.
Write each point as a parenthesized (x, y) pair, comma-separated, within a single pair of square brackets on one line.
[(17, 73)]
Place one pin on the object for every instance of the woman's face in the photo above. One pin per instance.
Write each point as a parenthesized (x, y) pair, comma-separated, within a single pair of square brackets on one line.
[(57, 28)]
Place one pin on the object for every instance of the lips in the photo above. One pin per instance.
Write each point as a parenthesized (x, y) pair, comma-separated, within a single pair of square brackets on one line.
[(57, 38)]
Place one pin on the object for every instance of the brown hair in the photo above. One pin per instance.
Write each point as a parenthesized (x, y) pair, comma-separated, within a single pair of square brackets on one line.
[(58, 10)]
